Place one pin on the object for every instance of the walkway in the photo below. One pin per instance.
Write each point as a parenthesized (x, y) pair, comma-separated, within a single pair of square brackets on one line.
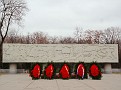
[(24, 82)]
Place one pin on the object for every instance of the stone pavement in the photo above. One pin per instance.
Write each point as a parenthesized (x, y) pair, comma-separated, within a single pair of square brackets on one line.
[(24, 82)]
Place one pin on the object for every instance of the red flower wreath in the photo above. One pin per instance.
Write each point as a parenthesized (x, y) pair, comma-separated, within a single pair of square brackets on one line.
[(95, 71), (49, 71), (65, 71), (81, 70), (35, 73)]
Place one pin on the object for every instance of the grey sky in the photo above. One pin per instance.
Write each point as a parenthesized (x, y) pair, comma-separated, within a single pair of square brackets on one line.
[(61, 17)]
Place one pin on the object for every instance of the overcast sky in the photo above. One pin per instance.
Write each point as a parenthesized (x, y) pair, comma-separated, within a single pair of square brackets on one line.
[(61, 17)]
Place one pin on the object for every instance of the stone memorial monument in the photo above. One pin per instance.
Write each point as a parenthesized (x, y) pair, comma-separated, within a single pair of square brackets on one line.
[(26, 53)]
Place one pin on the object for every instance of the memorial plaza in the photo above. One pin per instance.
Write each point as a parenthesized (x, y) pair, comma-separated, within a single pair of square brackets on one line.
[(44, 53), (15, 78), (24, 82)]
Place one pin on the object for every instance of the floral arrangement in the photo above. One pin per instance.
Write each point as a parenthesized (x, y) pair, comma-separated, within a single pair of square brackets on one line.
[(95, 71), (35, 72), (65, 71), (49, 71), (81, 70)]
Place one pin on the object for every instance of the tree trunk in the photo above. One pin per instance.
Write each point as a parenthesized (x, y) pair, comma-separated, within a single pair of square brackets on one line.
[(1, 54)]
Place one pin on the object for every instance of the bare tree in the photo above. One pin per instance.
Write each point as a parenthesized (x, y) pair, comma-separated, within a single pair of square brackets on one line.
[(88, 37), (79, 35), (40, 38), (97, 36), (28, 39), (66, 40), (53, 40), (11, 11), (112, 35), (12, 36)]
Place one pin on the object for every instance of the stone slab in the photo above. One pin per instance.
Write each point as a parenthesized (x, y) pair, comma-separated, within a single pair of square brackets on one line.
[(13, 53), (24, 82)]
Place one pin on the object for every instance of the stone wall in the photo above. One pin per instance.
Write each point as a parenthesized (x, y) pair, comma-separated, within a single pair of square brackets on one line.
[(60, 52)]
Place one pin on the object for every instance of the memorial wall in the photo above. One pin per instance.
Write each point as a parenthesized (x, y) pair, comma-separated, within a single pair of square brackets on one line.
[(15, 53)]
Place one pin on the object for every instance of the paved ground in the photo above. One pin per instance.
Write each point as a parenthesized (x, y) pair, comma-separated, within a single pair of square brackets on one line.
[(24, 82)]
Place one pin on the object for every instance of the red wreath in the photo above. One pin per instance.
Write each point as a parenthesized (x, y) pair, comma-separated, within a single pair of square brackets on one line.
[(65, 71), (35, 73), (80, 70), (49, 71), (95, 71)]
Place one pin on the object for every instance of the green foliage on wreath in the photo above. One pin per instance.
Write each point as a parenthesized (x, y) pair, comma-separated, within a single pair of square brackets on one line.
[(70, 69), (54, 72), (99, 75), (85, 73), (32, 67)]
